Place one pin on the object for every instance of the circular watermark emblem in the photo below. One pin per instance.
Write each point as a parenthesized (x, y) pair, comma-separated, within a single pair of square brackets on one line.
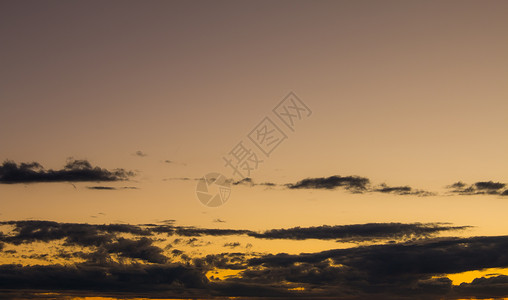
[(213, 189)]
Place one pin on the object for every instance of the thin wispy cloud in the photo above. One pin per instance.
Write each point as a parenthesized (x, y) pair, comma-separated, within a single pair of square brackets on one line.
[(140, 153), (402, 190), (111, 188)]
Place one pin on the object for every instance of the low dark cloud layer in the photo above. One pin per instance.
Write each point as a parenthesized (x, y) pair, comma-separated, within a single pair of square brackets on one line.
[(398, 270), (142, 249), (71, 233), (103, 239), (73, 171), (493, 287), (134, 279), (93, 235)]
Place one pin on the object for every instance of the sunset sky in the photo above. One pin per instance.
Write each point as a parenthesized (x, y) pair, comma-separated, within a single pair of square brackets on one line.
[(390, 184)]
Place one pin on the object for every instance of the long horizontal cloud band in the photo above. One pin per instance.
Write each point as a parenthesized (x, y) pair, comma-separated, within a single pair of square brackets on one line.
[(358, 184), (88, 234)]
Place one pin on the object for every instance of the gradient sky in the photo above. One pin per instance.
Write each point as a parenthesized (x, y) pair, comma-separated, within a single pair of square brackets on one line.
[(404, 93)]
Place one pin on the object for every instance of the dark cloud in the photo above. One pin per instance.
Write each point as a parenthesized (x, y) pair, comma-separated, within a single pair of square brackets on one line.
[(489, 185), (93, 235), (167, 161), (352, 183), (358, 184), (244, 181), (176, 252), (232, 245), (102, 239), (359, 232), (168, 221), (111, 188), (191, 231), (457, 185), (355, 184), (397, 189), (71, 233), (135, 279), (425, 257), (493, 287), (73, 171), (249, 182), (479, 188), (135, 267), (140, 153), (395, 270), (142, 249), (232, 261), (402, 190), (103, 236), (107, 188)]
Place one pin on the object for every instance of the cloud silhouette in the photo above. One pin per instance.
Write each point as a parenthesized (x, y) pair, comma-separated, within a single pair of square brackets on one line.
[(352, 183), (93, 235), (111, 188), (394, 271), (232, 245), (140, 153), (479, 188), (360, 232), (249, 182), (73, 171), (402, 190), (122, 260), (134, 279)]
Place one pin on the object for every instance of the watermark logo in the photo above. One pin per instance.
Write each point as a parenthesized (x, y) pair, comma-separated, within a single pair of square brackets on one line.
[(291, 109), (213, 189), (267, 136), (246, 156)]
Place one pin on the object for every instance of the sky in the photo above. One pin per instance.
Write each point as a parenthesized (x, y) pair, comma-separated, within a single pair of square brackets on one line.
[(373, 136)]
